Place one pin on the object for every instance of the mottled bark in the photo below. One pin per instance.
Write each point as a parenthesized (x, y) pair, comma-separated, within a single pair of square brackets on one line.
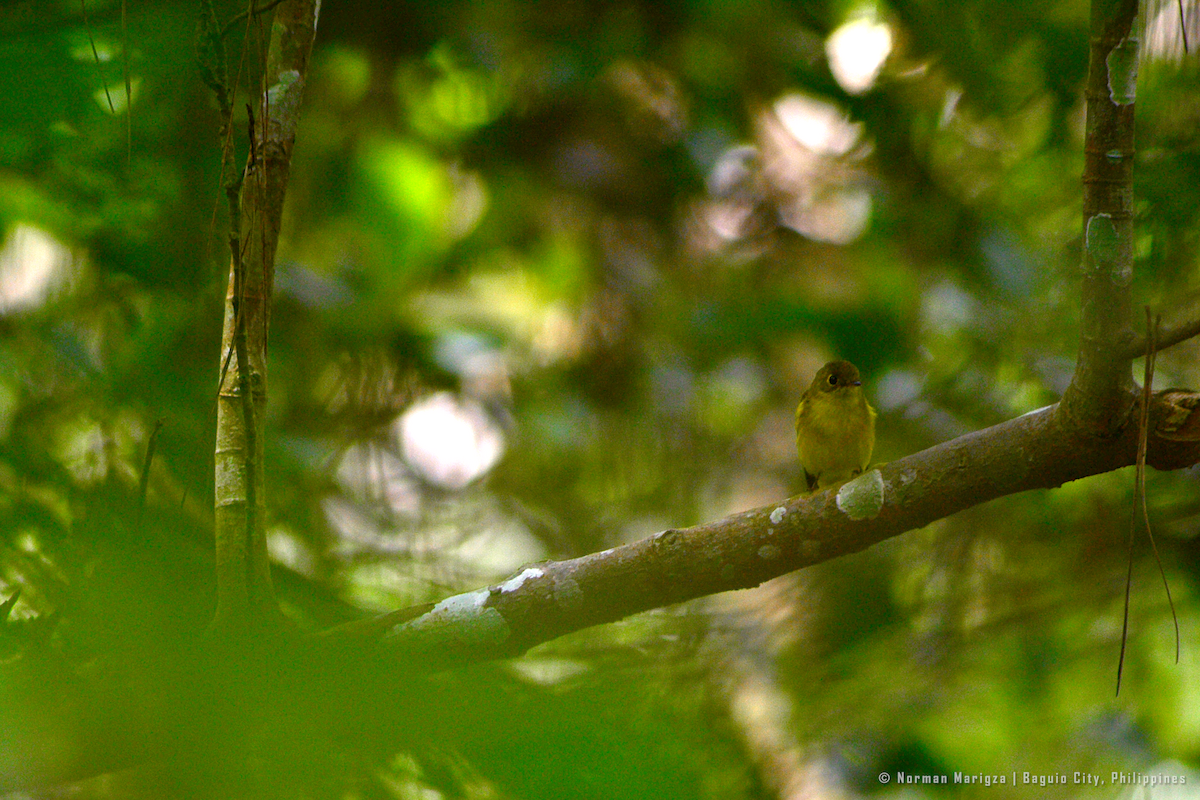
[(244, 595), (1099, 398)]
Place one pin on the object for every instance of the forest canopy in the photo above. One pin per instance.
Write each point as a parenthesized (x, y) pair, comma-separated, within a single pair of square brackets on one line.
[(551, 278)]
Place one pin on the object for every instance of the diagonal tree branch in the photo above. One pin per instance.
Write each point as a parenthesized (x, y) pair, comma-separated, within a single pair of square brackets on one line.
[(1035, 451)]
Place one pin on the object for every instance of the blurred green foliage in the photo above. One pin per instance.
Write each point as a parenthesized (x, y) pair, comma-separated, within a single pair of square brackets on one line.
[(604, 245)]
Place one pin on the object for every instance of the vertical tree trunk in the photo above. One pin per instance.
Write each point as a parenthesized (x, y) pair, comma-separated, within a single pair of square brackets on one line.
[(244, 592), (1099, 398)]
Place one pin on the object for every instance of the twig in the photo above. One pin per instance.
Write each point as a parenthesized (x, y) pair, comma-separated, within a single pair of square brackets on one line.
[(1173, 335), (128, 87), (1183, 32), (7, 606), (1152, 325), (96, 56), (144, 481), (243, 15)]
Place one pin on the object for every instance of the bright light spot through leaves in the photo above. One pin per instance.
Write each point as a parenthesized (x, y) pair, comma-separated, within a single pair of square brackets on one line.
[(31, 265), (448, 441), (857, 52)]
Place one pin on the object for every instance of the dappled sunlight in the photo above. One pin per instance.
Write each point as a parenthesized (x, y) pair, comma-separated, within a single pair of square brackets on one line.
[(947, 308), (449, 442), (383, 585), (552, 278), (286, 548), (496, 549), (95, 450), (83, 449), (808, 148), (816, 125), (857, 51), (800, 173), (443, 201), (1168, 26), (440, 441), (32, 266), (513, 301), (448, 97), (375, 475), (113, 99)]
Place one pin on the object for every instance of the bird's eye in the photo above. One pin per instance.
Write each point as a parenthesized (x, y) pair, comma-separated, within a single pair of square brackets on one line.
[(833, 380)]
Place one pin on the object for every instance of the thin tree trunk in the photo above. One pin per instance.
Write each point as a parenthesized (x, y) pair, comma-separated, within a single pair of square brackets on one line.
[(244, 594), (1100, 399)]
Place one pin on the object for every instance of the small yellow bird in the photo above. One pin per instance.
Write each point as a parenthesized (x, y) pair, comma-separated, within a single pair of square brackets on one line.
[(835, 427)]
